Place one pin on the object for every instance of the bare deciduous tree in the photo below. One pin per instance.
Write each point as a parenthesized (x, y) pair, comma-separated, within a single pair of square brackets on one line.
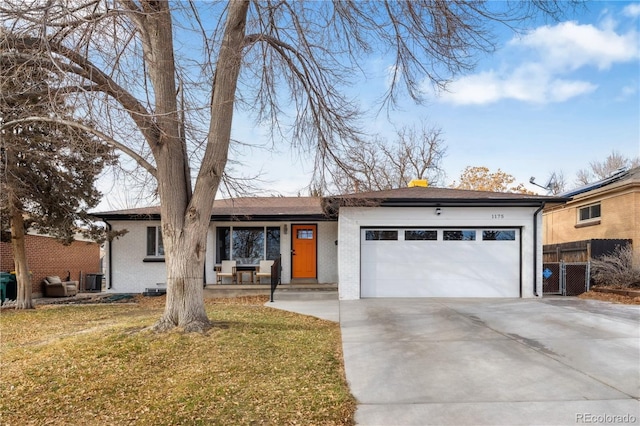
[(599, 170), (380, 164), (286, 61)]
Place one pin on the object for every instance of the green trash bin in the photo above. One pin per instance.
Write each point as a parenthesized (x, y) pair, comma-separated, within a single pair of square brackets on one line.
[(8, 284)]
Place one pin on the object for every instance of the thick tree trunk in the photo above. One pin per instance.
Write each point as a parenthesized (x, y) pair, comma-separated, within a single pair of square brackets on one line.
[(185, 299), (185, 218), (184, 239), (24, 300)]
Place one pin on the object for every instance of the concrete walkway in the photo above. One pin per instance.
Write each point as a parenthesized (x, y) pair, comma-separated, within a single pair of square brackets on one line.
[(326, 309), (488, 361)]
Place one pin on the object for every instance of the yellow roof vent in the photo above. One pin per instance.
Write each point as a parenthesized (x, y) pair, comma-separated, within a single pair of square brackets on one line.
[(418, 182)]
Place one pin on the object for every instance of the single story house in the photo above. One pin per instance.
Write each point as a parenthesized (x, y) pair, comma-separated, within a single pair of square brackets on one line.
[(597, 217), (407, 242)]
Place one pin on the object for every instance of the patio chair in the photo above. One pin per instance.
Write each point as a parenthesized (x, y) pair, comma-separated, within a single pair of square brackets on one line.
[(264, 270), (55, 287), (226, 270)]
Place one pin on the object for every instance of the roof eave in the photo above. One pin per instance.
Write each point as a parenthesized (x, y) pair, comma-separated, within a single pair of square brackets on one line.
[(463, 202), (137, 217), (271, 218), (530, 202), (224, 218)]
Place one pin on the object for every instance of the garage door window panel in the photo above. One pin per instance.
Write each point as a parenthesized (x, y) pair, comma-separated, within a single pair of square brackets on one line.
[(459, 235), (381, 235), (498, 235), (420, 235)]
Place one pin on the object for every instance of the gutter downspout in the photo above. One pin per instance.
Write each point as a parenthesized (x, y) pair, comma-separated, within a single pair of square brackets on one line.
[(109, 228), (535, 250)]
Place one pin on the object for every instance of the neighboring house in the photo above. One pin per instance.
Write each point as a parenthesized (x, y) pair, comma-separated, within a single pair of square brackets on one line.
[(47, 256), (602, 212), (408, 242)]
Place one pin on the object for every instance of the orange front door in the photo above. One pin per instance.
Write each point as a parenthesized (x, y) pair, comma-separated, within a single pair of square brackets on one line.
[(303, 251)]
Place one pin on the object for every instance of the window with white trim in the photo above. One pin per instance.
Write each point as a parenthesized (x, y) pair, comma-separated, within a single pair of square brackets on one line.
[(589, 213), (155, 247), (248, 245)]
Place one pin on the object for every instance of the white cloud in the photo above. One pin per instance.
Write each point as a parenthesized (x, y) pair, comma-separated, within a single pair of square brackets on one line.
[(481, 88), (569, 46), (633, 10), (490, 87), (554, 54), (627, 91), (563, 90)]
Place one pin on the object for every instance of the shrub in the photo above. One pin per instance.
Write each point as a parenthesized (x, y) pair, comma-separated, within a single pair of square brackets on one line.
[(616, 269)]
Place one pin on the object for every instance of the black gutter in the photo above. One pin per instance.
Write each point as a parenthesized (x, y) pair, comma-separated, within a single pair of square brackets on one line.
[(273, 218), (140, 217), (535, 250), (230, 218), (521, 277), (109, 242)]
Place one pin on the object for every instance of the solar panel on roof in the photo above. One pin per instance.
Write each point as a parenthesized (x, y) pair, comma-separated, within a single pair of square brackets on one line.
[(595, 185)]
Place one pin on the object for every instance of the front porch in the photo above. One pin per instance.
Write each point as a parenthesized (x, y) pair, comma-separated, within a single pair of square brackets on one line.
[(295, 290)]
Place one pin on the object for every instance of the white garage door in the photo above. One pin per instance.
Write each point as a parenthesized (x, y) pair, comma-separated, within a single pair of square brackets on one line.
[(425, 262)]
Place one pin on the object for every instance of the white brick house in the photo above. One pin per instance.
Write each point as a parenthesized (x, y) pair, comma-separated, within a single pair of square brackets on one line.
[(408, 242)]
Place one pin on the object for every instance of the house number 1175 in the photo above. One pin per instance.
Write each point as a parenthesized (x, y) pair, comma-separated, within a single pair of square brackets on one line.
[(497, 216)]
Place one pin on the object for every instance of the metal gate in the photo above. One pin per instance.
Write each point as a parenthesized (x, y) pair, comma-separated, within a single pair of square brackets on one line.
[(566, 279)]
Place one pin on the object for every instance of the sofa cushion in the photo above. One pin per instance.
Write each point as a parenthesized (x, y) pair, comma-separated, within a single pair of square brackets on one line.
[(53, 280)]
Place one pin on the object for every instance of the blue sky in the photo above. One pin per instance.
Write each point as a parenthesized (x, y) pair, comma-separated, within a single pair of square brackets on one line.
[(553, 99)]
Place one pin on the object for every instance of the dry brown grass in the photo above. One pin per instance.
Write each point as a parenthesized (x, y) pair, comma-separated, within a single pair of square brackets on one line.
[(98, 364)]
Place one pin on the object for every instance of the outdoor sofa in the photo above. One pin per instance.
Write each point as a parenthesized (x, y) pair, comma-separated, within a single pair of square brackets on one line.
[(55, 287)]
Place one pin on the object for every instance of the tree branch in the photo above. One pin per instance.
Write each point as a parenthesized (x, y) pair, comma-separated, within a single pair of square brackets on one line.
[(108, 139), (87, 70), (65, 90)]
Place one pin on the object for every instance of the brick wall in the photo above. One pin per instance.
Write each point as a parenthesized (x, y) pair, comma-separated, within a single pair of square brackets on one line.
[(46, 256)]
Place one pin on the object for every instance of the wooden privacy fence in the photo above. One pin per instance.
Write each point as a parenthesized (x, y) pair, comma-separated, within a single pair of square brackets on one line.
[(581, 251)]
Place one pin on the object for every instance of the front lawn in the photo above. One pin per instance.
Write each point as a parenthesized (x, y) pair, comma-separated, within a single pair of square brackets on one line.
[(97, 364)]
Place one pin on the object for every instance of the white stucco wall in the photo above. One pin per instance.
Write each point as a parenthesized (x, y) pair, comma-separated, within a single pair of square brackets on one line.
[(129, 274), (351, 219), (327, 252)]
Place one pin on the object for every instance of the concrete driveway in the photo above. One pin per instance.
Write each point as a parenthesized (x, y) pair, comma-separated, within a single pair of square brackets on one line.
[(492, 362)]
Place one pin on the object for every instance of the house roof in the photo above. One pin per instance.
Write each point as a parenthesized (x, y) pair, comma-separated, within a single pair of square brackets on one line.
[(617, 179), (255, 208), (316, 208), (432, 196)]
